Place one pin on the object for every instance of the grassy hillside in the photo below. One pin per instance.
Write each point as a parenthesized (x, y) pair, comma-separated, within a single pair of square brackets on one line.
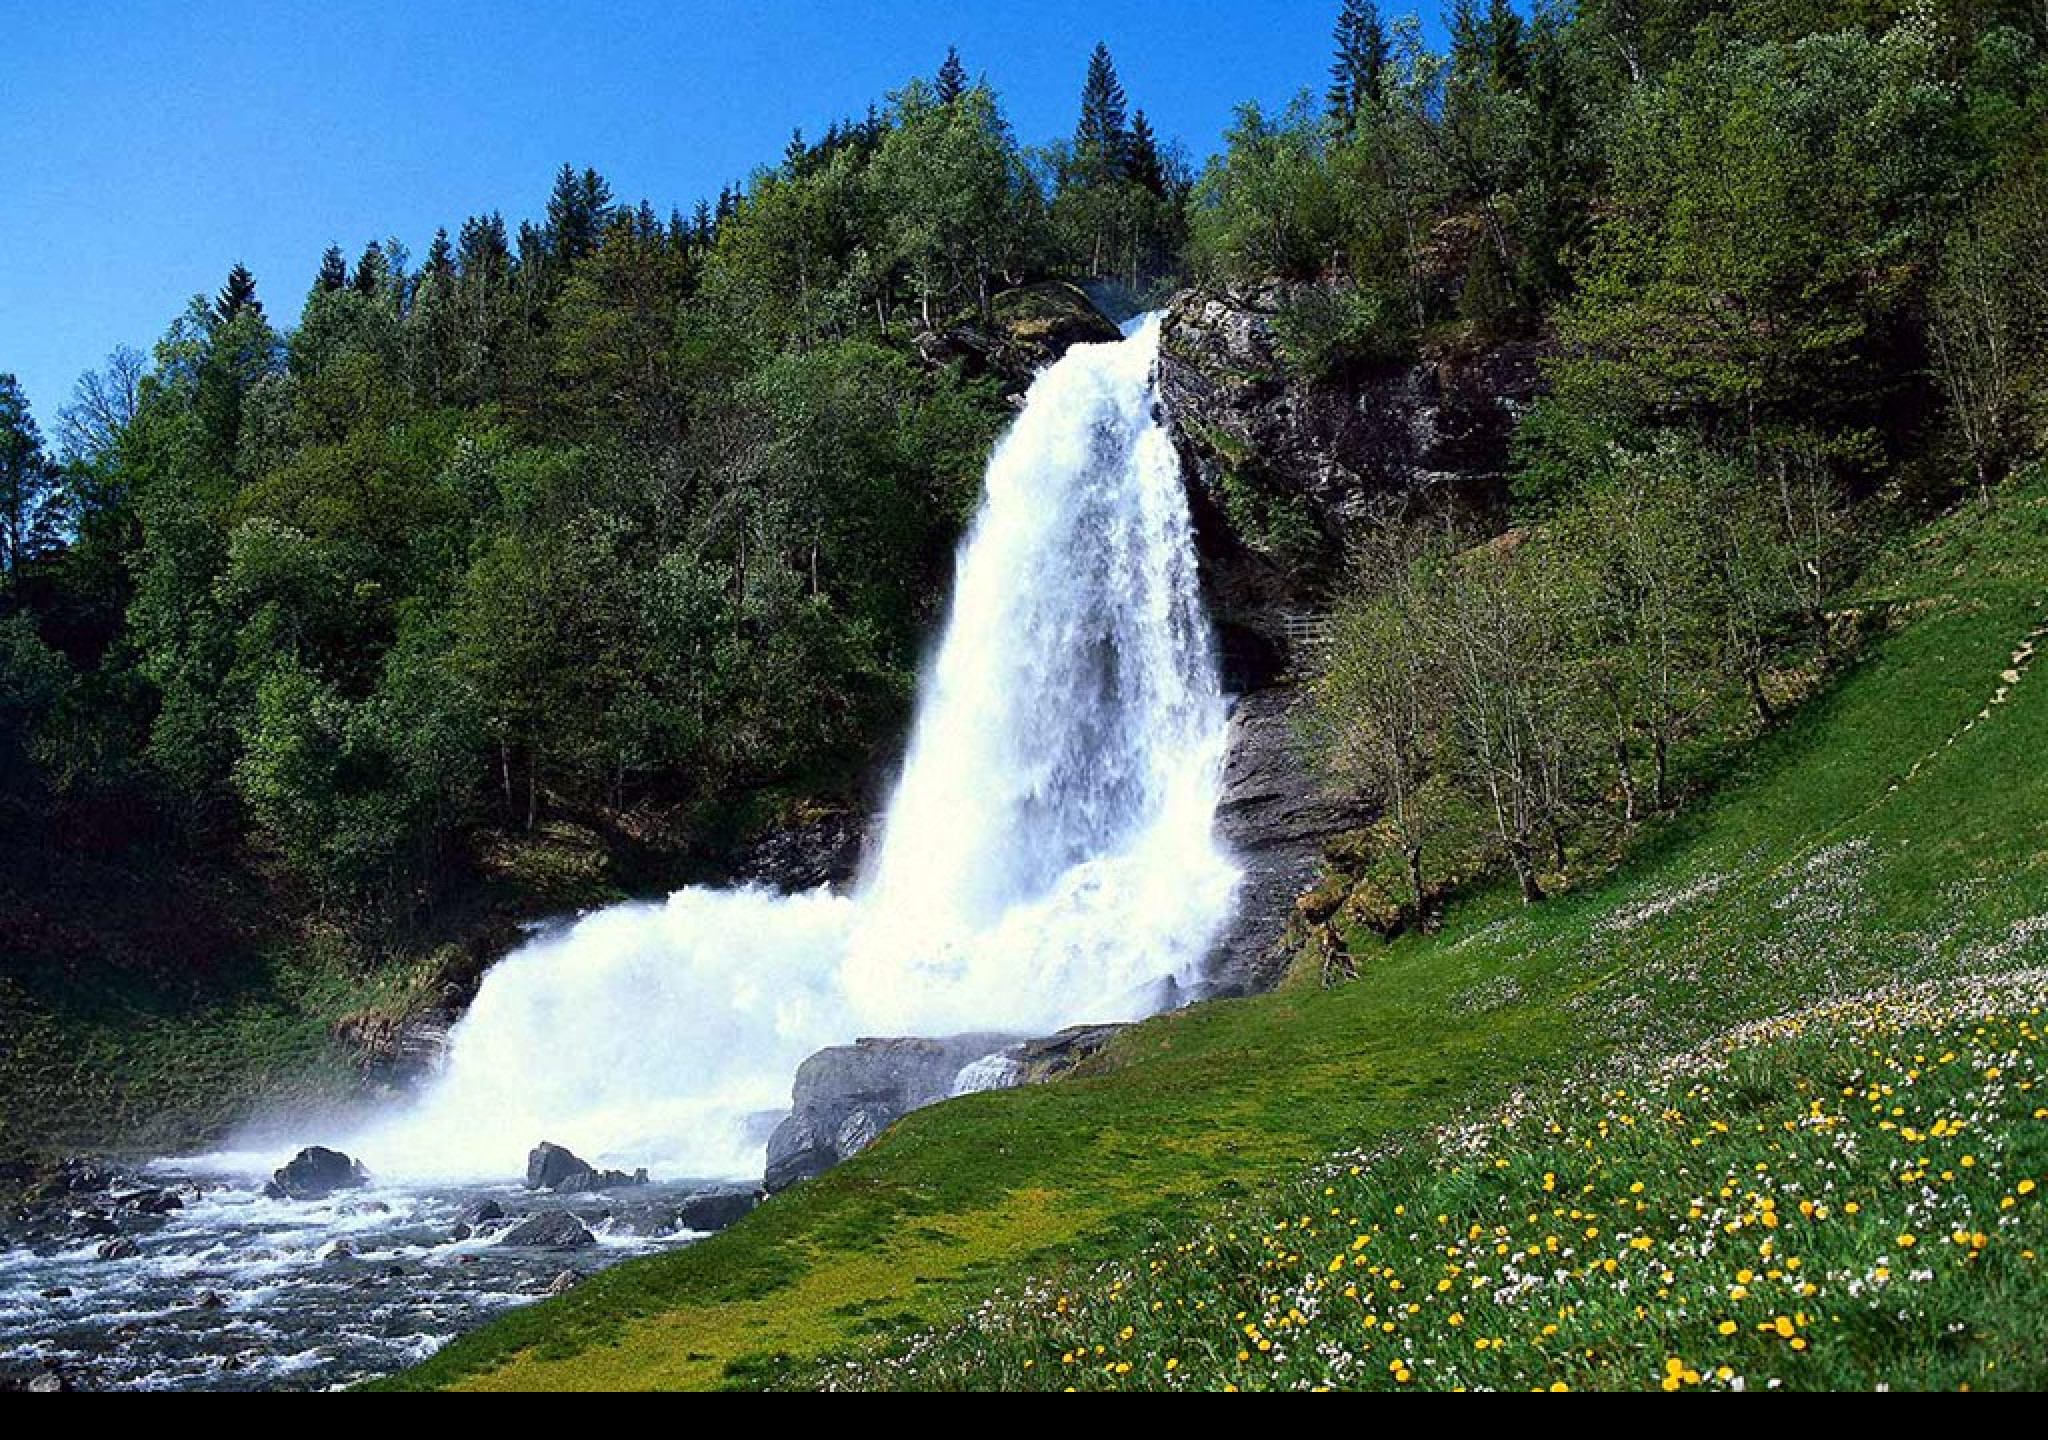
[(1892, 838)]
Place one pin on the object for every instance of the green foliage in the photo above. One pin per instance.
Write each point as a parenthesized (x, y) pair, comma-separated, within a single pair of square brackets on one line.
[(1268, 205), (1326, 331)]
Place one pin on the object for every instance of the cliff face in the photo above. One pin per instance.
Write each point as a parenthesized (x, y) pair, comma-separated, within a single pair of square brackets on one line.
[(1283, 472)]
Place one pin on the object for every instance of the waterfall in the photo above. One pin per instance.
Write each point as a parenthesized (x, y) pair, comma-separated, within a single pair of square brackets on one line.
[(1047, 859)]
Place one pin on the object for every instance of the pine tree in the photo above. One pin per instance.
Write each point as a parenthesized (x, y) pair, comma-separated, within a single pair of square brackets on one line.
[(238, 296), (796, 155), (440, 255), (578, 212), (333, 274), (1469, 58), (485, 251), (1102, 140), (704, 225), (952, 82), (1146, 166), (1507, 50), (31, 499), (1359, 76), (371, 270)]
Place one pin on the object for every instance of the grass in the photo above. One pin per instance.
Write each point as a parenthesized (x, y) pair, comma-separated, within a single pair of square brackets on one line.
[(1893, 835)]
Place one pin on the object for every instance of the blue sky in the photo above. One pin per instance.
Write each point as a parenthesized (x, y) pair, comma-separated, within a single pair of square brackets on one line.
[(149, 144)]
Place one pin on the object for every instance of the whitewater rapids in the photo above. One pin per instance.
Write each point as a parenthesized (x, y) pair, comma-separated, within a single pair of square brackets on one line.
[(1048, 857)]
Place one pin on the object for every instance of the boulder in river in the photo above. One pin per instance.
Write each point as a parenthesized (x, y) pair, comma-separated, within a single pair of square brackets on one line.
[(551, 1167), (715, 1210), (50, 1382), (314, 1174), (119, 1248), (556, 1230), (563, 1283), (484, 1212), (846, 1096)]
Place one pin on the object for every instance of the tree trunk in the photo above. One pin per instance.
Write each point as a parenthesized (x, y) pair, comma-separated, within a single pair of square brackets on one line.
[(1415, 880), (1625, 776), (1766, 716), (1661, 749), (1525, 873)]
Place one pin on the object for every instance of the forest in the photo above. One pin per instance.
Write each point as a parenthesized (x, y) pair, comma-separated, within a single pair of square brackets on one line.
[(627, 515)]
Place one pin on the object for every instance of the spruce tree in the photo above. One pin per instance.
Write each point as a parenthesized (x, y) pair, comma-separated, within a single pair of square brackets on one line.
[(796, 155), (333, 274), (1146, 166), (1102, 140), (952, 82), (440, 255), (1507, 49), (578, 212), (238, 296), (31, 498), (1359, 74), (371, 270)]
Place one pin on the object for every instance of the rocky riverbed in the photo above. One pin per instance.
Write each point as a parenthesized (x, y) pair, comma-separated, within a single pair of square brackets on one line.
[(188, 1275)]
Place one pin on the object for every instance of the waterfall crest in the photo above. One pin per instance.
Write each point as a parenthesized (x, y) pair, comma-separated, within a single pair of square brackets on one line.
[(1047, 858)]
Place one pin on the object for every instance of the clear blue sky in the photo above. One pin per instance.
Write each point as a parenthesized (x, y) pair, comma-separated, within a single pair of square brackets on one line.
[(149, 144)]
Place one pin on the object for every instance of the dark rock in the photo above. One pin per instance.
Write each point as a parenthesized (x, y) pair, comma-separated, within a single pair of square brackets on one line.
[(460, 1233), (1333, 452), (1275, 815), (550, 1167), (95, 1225), (119, 1248), (797, 1150), (209, 1300), (484, 1212), (715, 1210), (150, 1202), (563, 1283), (803, 855), (556, 1230), (341, 1250), (1033, 326), (314, 1174), (57, 1292), (1039, 1061), (846, 1096)]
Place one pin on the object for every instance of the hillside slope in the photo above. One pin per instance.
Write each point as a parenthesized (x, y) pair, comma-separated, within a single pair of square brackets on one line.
[(1895, 833)]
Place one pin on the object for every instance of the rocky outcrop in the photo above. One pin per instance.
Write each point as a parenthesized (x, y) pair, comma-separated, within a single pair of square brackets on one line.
[(716, 1210), (1284, 469), (314, 1174), (846, 1096), (816, 850), (1034, 325), (1275, 816), (556, 1230), (551, 1167)]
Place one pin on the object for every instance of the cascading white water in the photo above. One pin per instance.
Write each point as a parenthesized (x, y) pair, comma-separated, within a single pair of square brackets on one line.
[(1048, 857)]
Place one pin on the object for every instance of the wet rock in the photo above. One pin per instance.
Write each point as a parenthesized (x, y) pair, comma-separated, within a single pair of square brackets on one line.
[(95, 1225), (846, 1096), (486, 1212), (340, 1250), (715, 1210), (209, 1300), (314, 1174), (460, 1233), (1275, 816), (149, 1202), (1039, 1061), (563, 1283), (50, 1382), (551, 1167), (805, 853), (119, 1248), (557, 1230), (57, 1292)]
